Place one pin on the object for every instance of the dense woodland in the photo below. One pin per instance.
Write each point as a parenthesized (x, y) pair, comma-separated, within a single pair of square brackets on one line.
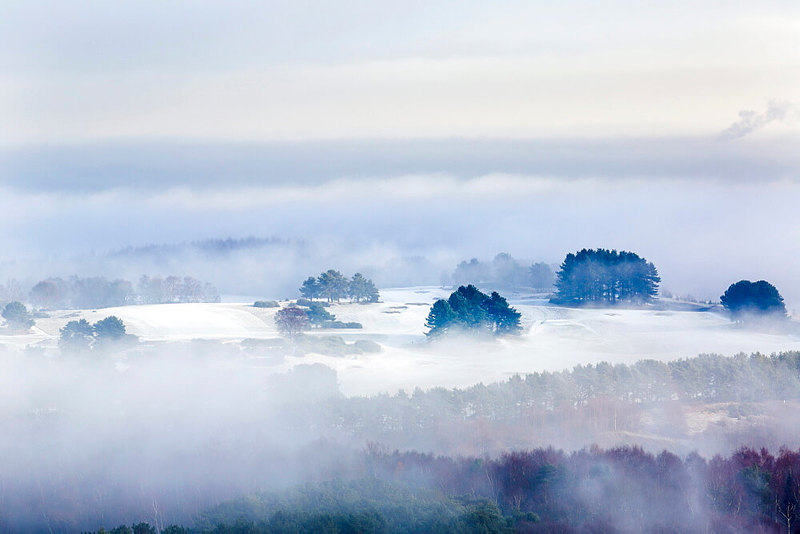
[(593, 490), (486, 488)]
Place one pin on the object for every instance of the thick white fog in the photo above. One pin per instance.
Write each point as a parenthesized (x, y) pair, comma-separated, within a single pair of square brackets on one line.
[(248, 146)]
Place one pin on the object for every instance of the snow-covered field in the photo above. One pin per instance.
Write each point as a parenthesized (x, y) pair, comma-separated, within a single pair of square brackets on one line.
[(554, 338)]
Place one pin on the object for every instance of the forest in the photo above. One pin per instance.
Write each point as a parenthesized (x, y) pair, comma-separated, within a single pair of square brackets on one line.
[(515, 456), (623, 489)]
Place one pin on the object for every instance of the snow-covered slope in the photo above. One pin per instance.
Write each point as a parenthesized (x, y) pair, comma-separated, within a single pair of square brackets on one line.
[(554, 338)]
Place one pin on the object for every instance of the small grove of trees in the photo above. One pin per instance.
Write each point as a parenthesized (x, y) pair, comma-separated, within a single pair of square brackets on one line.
[(80, 336), (99, 292), (607, 277), (504, 272), (334, 286), (470, 309), (746, 300), (17, 317)]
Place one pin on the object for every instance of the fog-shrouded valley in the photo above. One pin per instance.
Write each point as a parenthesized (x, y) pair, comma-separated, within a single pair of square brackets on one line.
[(508, 267)]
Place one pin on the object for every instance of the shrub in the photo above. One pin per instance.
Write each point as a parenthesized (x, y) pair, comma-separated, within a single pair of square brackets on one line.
[(266, 304), (340, 324), (367, 345)]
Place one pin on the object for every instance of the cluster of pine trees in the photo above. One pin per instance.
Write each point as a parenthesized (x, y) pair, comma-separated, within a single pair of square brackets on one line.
[(605, 276), (622, 489), (334, 286), (470, 309)]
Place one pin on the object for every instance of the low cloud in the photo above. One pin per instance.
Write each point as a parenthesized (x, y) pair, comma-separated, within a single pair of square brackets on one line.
[(751, 121)]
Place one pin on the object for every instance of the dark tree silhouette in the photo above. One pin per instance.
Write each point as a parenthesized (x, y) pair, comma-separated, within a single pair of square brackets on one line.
[(109, 329), (468, 308), (440, 318), (504, 318), (746, 299), (310, 288), (361, 288), (333, 285), (605, 276), (76, 336), (317, 315)]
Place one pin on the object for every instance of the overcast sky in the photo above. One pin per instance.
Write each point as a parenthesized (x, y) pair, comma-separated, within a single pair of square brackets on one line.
[(75, 70), (436, 128)]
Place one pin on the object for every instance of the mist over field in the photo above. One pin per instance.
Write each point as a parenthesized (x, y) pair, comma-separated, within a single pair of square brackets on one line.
[(382, 207), (171, 173)]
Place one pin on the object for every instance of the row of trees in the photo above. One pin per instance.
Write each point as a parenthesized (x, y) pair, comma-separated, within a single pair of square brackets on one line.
[(99, 292), (705, 378), (334, 286), (503, 272), (469, 309), (621, 489)]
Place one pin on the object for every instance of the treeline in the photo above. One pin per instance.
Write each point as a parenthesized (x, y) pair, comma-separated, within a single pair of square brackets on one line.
[(99, 292), (587, 404), (622, 489), (708, 378), (503, 272), (211, 247)]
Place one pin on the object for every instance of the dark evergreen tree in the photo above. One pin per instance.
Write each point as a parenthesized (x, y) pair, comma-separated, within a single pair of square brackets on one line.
[(317, 315), (747, 299), (109, 329), (440, 318), (605, 276), (469, 308), (310, 288), (361, 288), (76, 336), (504, 318), (468, 304), (333, 285)]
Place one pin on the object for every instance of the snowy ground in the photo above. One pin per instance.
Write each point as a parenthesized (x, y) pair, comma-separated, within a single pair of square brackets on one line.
[(554, 339)]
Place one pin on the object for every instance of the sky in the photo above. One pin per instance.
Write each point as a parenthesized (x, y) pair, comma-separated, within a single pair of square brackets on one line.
[(393, 129)]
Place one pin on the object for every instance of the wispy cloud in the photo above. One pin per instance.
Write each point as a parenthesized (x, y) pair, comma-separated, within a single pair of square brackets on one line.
[(751, 121)]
